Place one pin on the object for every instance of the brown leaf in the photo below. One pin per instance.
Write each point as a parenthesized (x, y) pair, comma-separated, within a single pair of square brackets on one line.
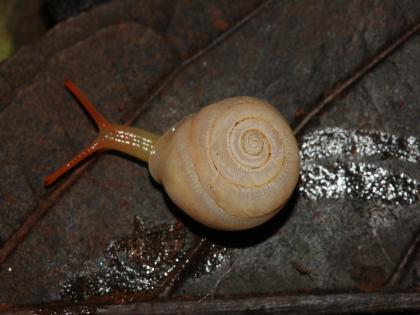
[(288, 53)]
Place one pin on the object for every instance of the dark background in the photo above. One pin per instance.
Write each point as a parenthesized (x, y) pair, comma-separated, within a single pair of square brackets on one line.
[(150, 63)]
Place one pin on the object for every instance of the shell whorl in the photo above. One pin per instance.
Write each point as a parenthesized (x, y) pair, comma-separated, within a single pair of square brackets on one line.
[(232, 165)]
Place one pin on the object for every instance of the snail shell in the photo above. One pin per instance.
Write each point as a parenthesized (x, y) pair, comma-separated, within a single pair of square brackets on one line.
[(231, 166)]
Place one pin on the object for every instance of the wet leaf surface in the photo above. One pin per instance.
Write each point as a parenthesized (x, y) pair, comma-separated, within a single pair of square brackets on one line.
[(290, 54), (138, 263)]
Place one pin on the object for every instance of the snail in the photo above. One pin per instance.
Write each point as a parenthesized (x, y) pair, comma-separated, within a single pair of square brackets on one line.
[(231, 166)]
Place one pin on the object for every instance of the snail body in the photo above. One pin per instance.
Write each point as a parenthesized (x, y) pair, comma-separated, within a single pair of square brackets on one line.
[(231, 166)]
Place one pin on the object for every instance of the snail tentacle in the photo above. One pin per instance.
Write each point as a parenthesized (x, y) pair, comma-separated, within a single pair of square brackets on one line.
[(132, 141)]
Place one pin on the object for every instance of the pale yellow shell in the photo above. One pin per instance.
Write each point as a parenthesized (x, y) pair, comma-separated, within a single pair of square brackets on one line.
[(231, 166)]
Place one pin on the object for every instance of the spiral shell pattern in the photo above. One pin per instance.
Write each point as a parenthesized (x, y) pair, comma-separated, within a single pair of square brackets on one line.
[(232, 165)]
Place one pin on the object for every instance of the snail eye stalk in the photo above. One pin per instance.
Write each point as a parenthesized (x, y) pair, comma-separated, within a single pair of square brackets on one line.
[(132, 141)]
